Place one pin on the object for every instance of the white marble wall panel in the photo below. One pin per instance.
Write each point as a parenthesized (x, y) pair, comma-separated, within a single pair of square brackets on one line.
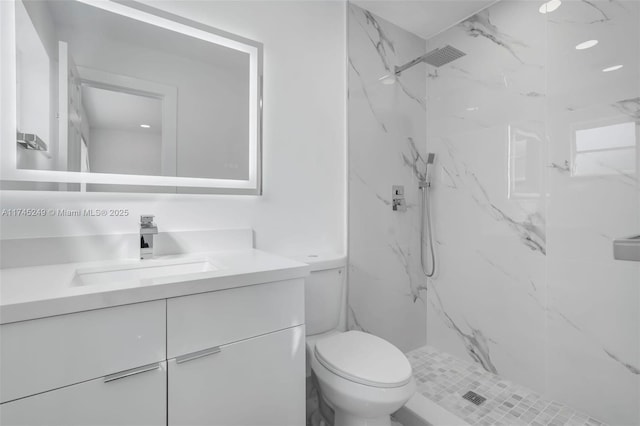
[(387, 140), (593, 350), (486, 114), (527, 285)]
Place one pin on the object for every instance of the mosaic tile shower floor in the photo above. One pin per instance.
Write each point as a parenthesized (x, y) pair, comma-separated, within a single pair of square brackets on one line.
[(445, 379)]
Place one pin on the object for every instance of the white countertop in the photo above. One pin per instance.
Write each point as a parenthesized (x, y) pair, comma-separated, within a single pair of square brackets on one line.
[(41, 291)]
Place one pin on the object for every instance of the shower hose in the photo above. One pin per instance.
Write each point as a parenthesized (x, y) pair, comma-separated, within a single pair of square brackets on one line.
[(426, 211)]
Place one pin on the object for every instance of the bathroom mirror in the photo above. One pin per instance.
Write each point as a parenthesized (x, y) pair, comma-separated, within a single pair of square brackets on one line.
[(116, 95)]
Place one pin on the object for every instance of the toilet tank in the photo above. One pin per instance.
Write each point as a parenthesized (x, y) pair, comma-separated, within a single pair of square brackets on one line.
[(324, 292)]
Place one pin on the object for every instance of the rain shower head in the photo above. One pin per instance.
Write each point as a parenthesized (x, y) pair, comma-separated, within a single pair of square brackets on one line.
[(437, 58), (442, 56)]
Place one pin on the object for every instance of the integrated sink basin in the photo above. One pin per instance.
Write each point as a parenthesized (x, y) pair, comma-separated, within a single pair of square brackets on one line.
[(142, 270)]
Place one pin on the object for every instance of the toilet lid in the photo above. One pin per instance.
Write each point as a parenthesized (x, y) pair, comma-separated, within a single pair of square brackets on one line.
[(364, 358)]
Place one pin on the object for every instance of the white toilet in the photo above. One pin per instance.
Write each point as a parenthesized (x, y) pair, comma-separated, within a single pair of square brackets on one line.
[(363, 378)]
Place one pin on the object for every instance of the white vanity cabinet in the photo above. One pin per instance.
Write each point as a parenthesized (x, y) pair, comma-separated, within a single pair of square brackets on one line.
[(237, 357), (105, 366)]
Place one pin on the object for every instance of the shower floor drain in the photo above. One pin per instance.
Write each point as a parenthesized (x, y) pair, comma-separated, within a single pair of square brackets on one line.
[(474, 397)]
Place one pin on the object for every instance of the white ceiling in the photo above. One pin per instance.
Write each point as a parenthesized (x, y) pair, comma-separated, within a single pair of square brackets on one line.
[(424, 18)]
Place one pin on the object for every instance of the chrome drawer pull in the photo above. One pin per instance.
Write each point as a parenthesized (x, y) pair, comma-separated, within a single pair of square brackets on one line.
[(132, 372), (199, 354)]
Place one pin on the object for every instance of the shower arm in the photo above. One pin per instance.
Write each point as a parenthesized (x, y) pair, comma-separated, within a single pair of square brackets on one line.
[(437, 58), (416, 61)]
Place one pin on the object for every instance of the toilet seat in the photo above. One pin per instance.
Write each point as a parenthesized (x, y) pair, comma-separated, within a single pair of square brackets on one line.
[(364, 358)]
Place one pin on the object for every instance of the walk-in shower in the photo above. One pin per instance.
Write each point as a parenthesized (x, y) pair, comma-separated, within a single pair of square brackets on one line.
[(537, 155)]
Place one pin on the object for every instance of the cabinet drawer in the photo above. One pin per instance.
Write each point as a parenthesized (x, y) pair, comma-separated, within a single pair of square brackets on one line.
[(137, 399), (205, 320), (259, 381), (48, 353)]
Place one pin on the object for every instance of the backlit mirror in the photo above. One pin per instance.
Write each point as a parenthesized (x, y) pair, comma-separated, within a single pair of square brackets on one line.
[(121, 96)]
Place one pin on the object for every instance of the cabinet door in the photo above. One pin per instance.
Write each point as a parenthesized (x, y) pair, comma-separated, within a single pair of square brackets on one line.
[(200, 321), (133, 397), (258, 381), (48, 353)]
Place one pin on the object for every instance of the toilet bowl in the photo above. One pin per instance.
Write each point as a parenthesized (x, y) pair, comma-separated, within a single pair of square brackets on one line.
[(361, 377)]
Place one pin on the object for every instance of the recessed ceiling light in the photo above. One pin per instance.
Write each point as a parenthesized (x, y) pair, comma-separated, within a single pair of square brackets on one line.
[(613, 68), (145, 126), (586, 44), (550, 6), (473, 108)]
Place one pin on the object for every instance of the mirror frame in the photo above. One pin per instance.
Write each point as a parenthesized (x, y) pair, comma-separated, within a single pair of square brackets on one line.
[(141, 12)]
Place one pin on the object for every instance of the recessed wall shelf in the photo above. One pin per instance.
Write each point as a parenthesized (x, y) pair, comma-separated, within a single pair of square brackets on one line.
[(627, 248)]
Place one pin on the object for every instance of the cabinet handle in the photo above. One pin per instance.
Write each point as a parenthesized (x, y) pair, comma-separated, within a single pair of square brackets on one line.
[(132, 372), (199, 354)]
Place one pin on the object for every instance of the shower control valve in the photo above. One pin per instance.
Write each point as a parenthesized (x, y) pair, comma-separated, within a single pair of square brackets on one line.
[(398, 203)]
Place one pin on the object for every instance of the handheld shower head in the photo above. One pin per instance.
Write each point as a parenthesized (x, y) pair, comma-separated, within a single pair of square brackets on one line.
[(426, 183), (430, 157)]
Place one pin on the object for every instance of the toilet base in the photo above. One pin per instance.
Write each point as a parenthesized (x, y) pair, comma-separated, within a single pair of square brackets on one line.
[(330, 416), (356, 404), (342, 418)]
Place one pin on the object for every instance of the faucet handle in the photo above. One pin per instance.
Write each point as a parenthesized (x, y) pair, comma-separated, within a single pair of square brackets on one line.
[(146, 219)]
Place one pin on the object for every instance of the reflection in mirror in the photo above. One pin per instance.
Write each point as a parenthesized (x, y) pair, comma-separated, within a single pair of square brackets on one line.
[(34, 120), (101, 92), (120, 122)]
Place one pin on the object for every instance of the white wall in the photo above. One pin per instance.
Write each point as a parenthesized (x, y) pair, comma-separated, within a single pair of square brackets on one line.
[(302, 207)]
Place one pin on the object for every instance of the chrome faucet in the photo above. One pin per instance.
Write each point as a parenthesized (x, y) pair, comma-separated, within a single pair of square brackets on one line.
[(147, 230)]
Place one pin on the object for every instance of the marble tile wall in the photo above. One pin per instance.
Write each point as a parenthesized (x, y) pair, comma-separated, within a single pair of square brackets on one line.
[(593, 310), (487, 300), (387, 144), (528, 198)]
